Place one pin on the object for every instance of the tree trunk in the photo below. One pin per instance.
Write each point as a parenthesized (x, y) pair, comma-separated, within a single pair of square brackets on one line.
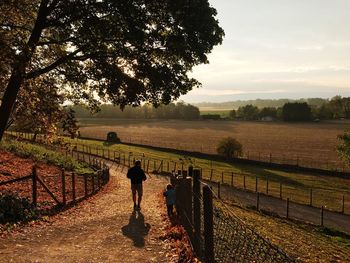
[(9, 98), (18, 73)]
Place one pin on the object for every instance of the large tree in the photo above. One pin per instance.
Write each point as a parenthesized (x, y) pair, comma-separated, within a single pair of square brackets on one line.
[(296, 112), (124, 52)]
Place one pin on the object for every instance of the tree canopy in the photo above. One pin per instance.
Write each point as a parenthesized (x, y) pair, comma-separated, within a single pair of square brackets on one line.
[(296, 112), (123, 52), (179, 110)]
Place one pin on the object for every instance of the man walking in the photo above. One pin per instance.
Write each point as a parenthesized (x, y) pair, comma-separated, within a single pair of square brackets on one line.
[(137, 176)]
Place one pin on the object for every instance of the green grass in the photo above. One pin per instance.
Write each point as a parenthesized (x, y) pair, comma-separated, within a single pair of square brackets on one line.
[(40, 153)]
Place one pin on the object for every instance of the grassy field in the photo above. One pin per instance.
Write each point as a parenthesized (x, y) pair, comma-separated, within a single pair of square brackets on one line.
[(328, 191), (306, 144)]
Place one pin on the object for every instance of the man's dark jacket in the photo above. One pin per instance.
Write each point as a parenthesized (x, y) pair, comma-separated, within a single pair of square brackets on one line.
[(136, 175)]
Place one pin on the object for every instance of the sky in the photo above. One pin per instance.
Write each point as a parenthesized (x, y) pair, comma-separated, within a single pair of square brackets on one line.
[(277, 49)]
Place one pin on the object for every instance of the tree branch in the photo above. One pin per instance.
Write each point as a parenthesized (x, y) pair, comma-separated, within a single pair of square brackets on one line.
[(58, 62), (57, 42), (53, 5), (16, 27)]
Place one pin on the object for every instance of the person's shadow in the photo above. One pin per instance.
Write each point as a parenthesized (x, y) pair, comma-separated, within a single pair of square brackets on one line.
[(136, 229)]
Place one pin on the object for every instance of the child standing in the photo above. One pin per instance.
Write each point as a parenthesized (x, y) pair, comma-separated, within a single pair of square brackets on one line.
[(170, 196)]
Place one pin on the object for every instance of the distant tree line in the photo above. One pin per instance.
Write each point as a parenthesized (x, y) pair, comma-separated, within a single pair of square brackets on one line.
[(335, 108), (178, 110), (261, 103)]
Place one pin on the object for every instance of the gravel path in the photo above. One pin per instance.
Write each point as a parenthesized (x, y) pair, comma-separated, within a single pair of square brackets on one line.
[(103, 228)]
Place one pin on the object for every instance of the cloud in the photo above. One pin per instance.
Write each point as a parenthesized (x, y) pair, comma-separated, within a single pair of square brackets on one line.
[(223, 92), (310, 48)]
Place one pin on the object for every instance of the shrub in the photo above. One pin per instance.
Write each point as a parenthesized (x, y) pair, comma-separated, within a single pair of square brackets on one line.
[(14, 209), (112, 137), (229, 147)]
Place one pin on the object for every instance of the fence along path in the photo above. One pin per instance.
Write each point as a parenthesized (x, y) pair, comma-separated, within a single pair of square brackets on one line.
[(308, 198), (314, 197), (284, 207), (103, 229), (335, 201), (69, 187), (216, 233)]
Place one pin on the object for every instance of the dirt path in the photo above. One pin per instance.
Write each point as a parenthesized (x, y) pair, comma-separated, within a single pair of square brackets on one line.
[(101, 229), (297, 211)]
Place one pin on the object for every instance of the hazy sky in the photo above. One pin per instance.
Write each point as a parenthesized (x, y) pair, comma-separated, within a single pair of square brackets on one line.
[(278, 49)]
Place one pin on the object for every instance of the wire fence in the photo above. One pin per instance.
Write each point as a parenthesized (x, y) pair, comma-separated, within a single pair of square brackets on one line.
[(216, 233), (324, 161), (235, 242), (330, 197)]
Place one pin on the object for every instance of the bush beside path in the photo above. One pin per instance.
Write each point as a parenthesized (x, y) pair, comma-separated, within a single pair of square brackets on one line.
[(102, 229)]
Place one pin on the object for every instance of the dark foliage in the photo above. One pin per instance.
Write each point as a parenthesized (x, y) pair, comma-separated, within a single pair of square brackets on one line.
[(14, 209), (296, 112)]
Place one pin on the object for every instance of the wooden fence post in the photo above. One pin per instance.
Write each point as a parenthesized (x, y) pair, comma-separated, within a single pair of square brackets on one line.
[(85, 185), (310, 196), (197, 212), (244, 182), (219, 190), (211, 175), (63, 182), (34, 186), (222, 177), (208, 225), (287, 212), (168, 167), (93, 183), (187, 205), (322, 215), (231, 178), (257, 201), (99, 179), (280, 190), (267, 186), (73, 187), (256, 184)]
